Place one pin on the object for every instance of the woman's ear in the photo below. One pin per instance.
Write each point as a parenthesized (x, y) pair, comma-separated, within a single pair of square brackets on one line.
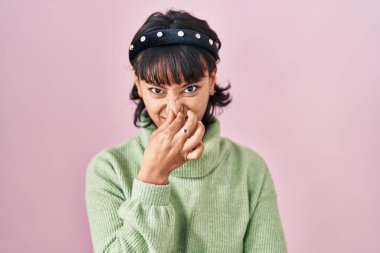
[(137, 83), (212, 81)]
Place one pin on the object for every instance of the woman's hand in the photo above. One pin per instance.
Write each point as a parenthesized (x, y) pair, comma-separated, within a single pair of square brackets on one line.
[(169, 147)]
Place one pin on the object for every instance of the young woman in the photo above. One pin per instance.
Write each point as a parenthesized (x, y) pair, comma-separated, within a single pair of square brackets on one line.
[(178, 186)]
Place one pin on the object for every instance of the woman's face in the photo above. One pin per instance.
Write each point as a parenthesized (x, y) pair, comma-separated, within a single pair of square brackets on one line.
[(181, 97)]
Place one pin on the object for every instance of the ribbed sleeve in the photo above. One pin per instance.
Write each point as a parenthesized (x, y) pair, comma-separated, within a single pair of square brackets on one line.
[(142, 223), (264, 232)]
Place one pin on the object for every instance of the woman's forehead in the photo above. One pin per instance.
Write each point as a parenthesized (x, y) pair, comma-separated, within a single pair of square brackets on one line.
[(181, 84), (168, 69), (168, 80)]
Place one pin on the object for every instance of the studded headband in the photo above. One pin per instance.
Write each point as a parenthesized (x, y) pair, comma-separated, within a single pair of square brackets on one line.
[(172, 37)]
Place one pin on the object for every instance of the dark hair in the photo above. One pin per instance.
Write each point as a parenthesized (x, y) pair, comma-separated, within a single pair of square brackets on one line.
[(183, 61)]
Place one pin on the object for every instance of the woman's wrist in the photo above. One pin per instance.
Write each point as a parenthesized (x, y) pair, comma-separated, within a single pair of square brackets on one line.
[(150, 177)]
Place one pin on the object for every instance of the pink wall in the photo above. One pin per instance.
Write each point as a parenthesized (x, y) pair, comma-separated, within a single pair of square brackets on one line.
[(306, 83)]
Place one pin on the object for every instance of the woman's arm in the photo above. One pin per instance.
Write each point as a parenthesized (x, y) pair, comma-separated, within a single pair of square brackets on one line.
[(142, 223), (264, 232)]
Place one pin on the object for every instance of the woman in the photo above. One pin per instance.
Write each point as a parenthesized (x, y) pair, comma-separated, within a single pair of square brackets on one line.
[(178, 186)]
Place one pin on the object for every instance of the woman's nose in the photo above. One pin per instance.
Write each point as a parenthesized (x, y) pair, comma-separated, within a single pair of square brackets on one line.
[(175, 105)]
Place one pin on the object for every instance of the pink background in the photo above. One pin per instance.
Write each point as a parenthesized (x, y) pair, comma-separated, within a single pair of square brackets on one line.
[(305, 81)]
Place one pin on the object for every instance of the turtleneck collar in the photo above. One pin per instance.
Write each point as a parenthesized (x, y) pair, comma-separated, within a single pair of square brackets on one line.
[(192, 168)]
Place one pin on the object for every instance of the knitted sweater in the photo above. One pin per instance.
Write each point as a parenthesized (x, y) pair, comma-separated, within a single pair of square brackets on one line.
[(225, 201)]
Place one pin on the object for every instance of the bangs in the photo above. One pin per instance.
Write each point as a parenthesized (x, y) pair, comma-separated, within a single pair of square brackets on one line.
[(171, 64)]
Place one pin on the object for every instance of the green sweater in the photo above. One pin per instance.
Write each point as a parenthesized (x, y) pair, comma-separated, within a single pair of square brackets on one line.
[(224, 201)]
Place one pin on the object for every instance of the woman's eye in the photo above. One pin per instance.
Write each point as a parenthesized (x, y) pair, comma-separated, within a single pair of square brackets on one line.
[(194, 88), (157, 91), (154, 90)]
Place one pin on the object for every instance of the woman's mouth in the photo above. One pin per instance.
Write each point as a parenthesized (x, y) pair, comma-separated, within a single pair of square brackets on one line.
[(185, 117)]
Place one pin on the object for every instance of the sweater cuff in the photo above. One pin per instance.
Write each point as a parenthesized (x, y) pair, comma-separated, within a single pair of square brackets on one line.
[(152, 194)]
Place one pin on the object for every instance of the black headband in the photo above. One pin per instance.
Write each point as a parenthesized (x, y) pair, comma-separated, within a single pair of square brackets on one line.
[(172, 37)]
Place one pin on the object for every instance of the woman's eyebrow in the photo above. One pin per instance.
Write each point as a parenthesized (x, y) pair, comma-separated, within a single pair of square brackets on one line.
[(183, 85)]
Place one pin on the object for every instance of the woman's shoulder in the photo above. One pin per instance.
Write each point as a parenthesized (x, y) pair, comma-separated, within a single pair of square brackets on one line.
[(253, 166), (248, 157), (114, 155), (243, 150), (119, 147)]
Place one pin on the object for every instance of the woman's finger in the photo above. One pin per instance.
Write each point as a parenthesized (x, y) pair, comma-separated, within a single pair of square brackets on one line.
[(177, 123), (190, 125), (195, 139), (166, 123), (196, 153)]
